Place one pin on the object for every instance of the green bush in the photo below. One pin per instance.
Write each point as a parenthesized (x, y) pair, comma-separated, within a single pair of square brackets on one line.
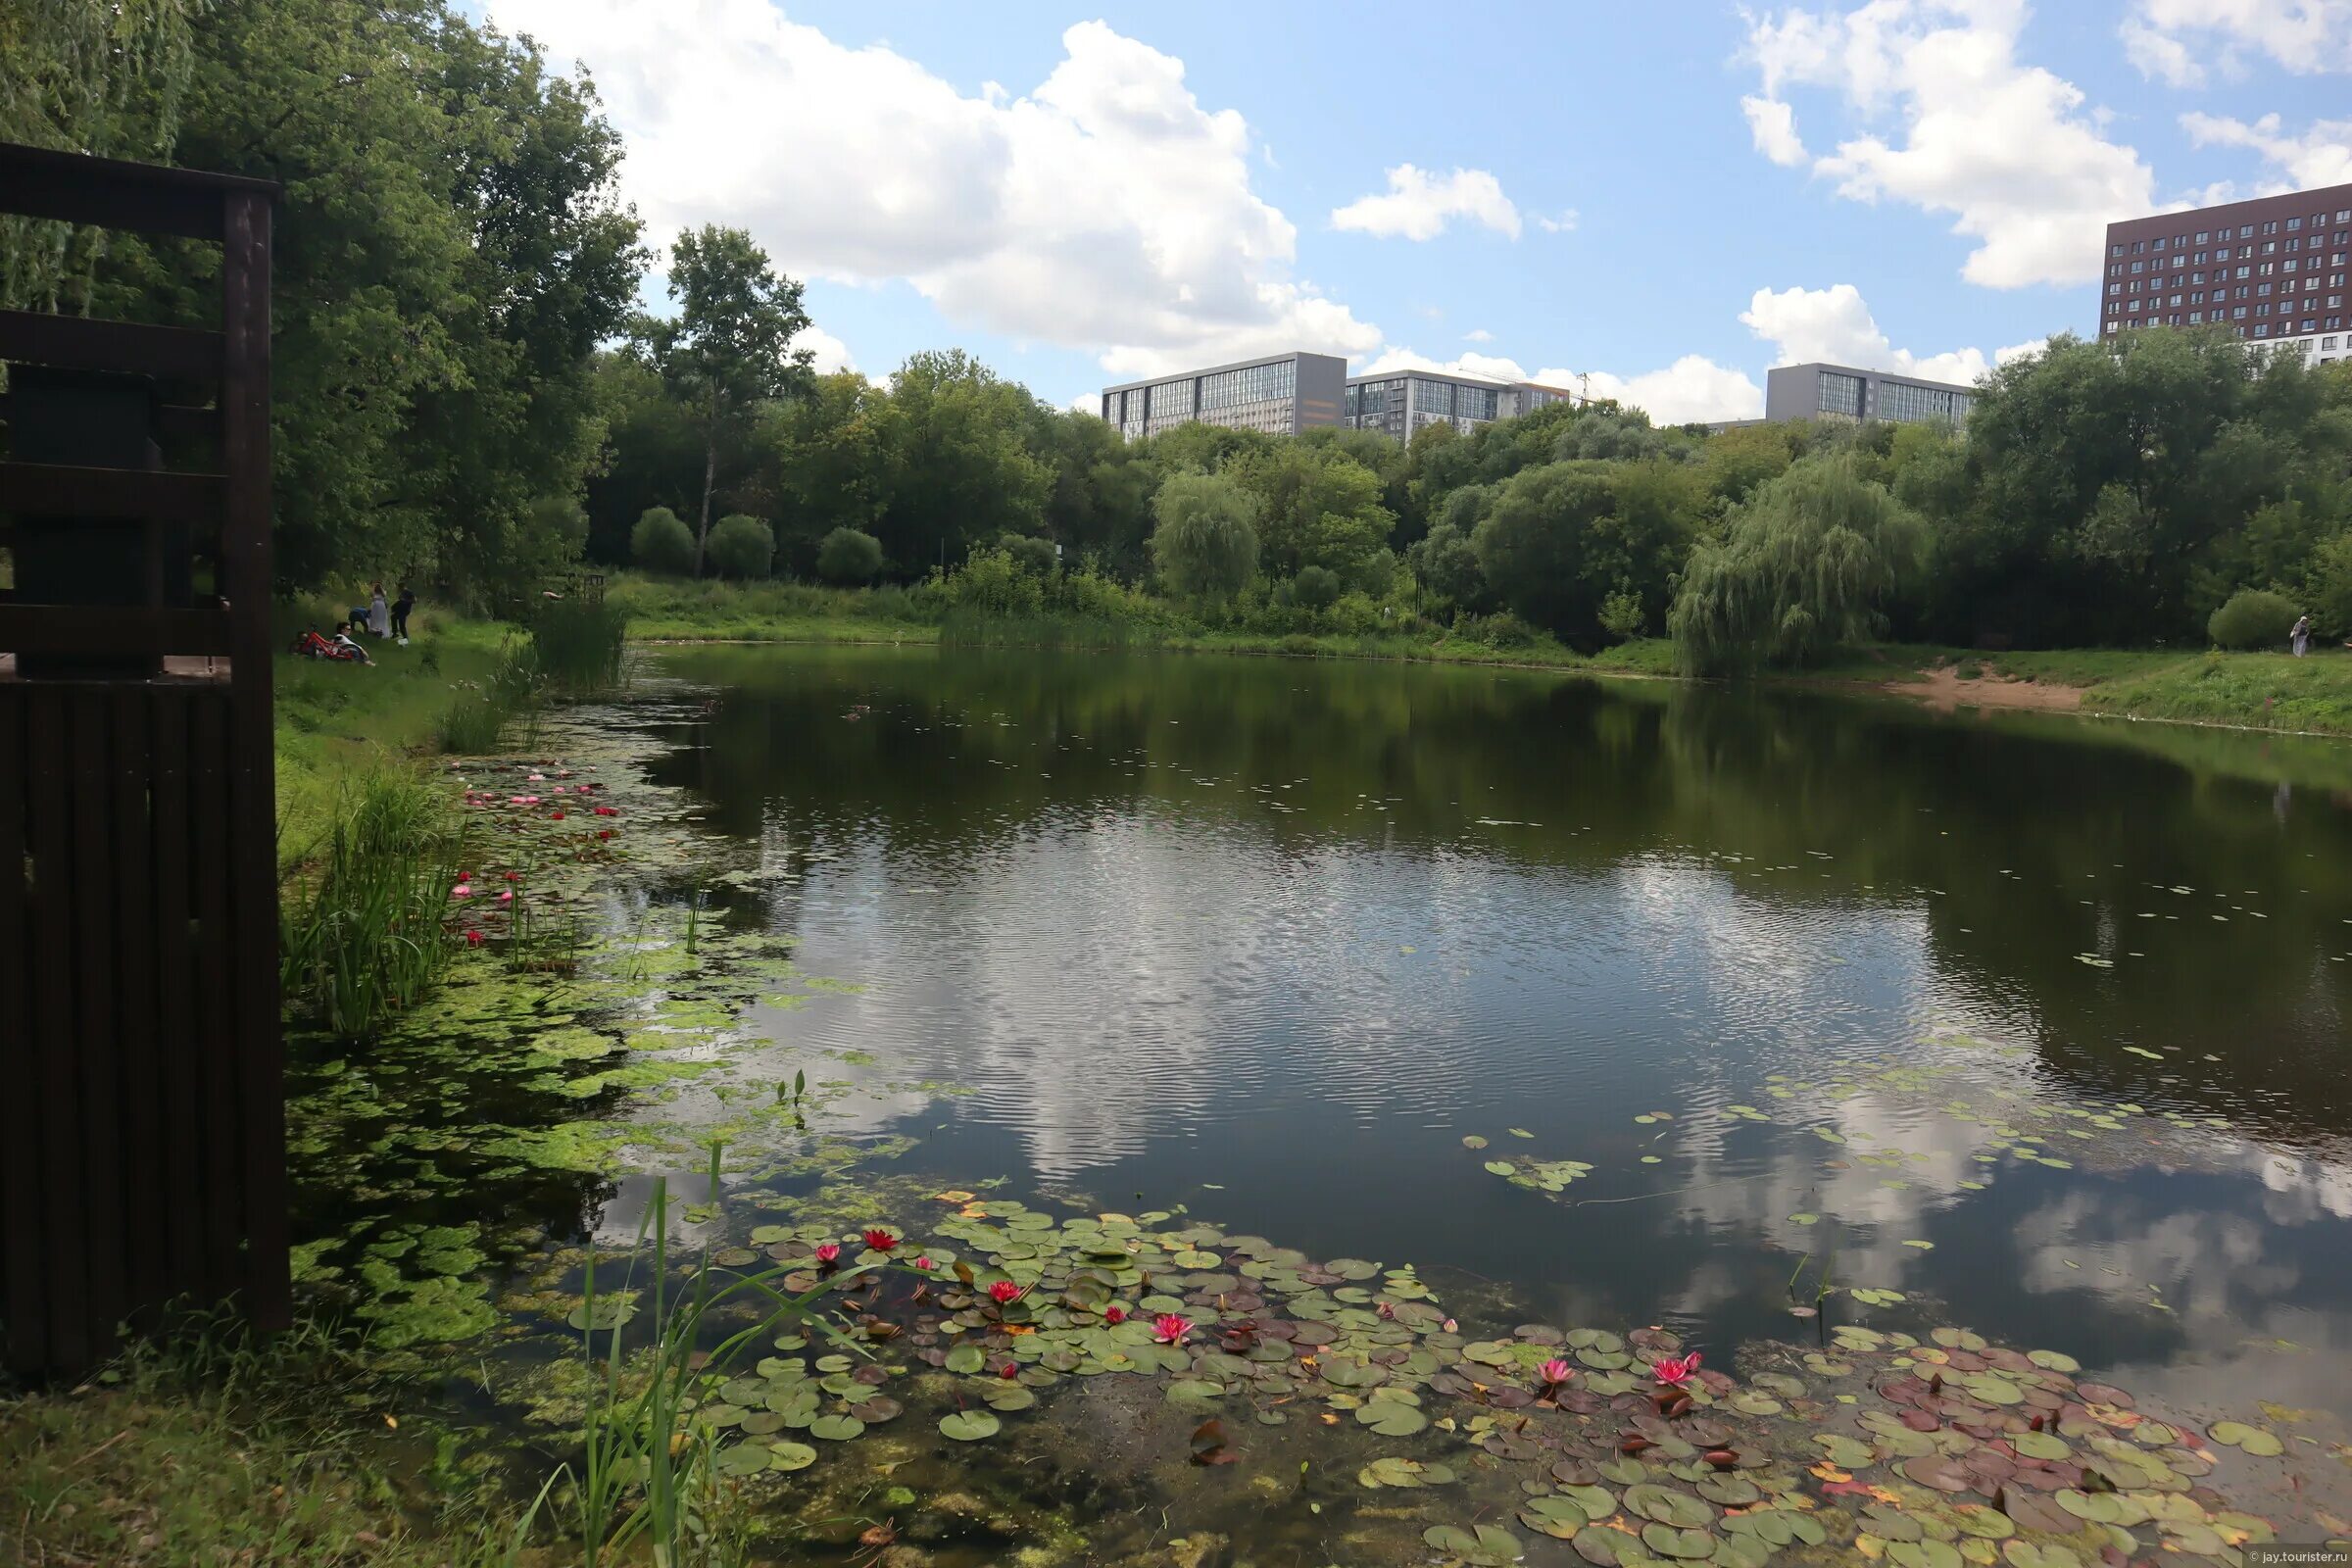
[(2254, 617), (740, 546), (990, 582), (1034, 556), (847, 556), (660, 542), (1316, 587), (1205, 544)]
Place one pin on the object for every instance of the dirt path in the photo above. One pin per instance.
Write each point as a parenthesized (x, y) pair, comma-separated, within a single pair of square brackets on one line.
[(1945, 691)]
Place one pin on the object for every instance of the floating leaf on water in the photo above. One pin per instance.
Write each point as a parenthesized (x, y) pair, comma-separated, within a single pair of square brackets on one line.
[(789, 1455), (1556, 1516), (965, 1358), (2255, 1441), (1483, 1544), (970, 1426), (1502, 1167), (607, 1313), (745, 1459), (1474, 1141), (1666, 1506), (1519, 1131), (836, 1427), (1804, 1219)]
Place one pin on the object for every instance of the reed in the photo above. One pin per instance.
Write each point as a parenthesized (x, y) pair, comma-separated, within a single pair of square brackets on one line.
[(363, 938), (577, 643)]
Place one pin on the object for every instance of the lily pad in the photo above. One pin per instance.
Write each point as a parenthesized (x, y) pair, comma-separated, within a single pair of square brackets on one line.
[(2256, 1440), (789, 1455), (970, 1426)]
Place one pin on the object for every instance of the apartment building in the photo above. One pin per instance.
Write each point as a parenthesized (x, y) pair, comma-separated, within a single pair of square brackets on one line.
[(1282, 394), (2272, 269)]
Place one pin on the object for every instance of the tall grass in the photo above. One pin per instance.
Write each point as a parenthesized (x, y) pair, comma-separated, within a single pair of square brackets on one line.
[(363, 939), (649, 1479), (578, 643), (975, 628)]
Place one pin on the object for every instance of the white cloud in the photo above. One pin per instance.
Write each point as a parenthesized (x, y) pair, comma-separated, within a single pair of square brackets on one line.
[(1105, 209), (2008, 149), (1692, 387), (1394, 357), (1835, 324), (1565, 222), (1477, 335), (2319, 156), (1773, 124), (1418, 205), (2304, 37), (2160, 56), (832, 354)]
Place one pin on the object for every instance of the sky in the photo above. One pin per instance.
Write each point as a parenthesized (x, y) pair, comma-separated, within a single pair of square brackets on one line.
[(1657, 201)]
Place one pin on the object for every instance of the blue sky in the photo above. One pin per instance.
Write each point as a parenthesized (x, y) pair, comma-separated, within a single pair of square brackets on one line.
[(1669, 198)]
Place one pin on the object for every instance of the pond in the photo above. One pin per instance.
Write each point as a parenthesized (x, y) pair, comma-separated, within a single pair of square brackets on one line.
[(1733, 1014)]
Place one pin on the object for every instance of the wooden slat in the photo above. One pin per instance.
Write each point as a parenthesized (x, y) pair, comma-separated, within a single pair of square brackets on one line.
[(55, 1122), (113, 629), (136, 1013), (97, 977), (148, 198), (245, 574), (79, 343), (179, 1071), (60, 490), (214, 1047), (23, 1192)]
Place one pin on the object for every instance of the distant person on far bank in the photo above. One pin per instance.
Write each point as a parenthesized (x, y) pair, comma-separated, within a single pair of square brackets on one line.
[(399, 613), (379, 613), (2300, 637)]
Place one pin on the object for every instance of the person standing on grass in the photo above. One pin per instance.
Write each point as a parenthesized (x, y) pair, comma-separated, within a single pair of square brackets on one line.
[(399, 613), (379, 614), (2300, 637)]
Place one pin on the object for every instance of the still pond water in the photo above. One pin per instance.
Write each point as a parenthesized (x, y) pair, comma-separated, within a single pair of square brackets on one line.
[(1800, 977)]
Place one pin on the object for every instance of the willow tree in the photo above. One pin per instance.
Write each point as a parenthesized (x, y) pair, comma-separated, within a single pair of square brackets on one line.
[(1808, 562), (102, 77), (1205, 545)]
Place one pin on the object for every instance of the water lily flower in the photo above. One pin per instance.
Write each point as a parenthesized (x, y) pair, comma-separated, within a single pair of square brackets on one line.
[(1386, 1308), (828, 1253), (1170, 1329), (1003, 1292), (514, 876), (1554, 1373), (925, 1264), (1114, 1313), (464, 890), (473, 939), (608, 811), (1675, 1371), (881, 1241), (556, 817), (606, 834), (507, 896), (1008, 1371)]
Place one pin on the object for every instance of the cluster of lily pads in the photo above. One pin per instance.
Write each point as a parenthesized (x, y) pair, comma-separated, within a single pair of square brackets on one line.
[(1923, 1452)]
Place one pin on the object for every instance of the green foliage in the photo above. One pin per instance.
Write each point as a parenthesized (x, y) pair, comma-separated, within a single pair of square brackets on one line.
[(848, 557), (1807, 564), (990, 583), (1206, 546), (363, 938), (1316, 587), (2252, 618), (1316, 507), (1621, 615), (1033, 556), (577, 642), (728, 350), (1561, 537), (661, 542), (741, 546), (2328, 580)]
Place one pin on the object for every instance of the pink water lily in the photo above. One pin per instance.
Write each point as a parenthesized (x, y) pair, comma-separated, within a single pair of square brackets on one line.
[(828, 1253), (1386, 1308), (473, 939), (1114, 1313), (464, 890), (507, 896), (881, 1241), (1008, 1371), (1003, 1292), (1554, 1373), (925, 1264), (1170, 1329), (1675, 1371)]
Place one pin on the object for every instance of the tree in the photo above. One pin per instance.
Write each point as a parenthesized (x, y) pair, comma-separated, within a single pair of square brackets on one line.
[(960, 471), (820, 462), (1316, 587), (1035, 557), (848, 557), (1316, 507), (742, 545), (1206, 544), (1535, 545), (1808, 564), (661, 542), (730, 347)]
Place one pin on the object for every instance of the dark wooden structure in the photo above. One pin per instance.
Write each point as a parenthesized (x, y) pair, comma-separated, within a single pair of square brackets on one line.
[(143, 1112)]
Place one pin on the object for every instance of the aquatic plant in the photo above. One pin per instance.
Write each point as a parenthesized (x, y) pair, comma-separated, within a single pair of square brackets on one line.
[(1675, 1371), (361, 939)]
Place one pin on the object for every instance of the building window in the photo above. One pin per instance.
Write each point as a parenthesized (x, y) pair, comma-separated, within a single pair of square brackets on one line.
[(2201, 235), (2194, 316), (1840, 394), (2261, 329)]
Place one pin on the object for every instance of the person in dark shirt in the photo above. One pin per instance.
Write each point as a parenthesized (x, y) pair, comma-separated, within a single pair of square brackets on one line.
[(399, 613)]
